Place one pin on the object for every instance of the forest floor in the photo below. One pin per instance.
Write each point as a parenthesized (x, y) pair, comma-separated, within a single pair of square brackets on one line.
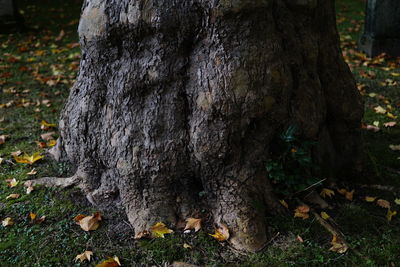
[(36, 71)]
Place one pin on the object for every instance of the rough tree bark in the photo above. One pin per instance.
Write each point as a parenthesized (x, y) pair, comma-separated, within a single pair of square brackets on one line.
[(176, 97)]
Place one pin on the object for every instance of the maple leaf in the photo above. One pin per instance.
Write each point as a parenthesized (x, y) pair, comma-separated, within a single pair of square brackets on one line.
[(110, 262), (302, 212), (338, 245), (84, 256), (370, 199), (12, 182), (383, 203), (26, 159), (7, 222), (192, 223), (221, 233), (327, 192), (13, 196), (390, 214), (88, 223), (159, 230)]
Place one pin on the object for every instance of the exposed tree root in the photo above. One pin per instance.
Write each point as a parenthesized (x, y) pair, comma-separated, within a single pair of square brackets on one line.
[(56, 181)]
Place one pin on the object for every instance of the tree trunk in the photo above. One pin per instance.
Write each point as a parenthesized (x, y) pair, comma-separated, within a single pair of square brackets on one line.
[(174, 98)]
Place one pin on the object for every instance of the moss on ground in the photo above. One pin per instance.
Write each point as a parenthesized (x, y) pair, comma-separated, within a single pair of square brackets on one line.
[(46, 66)]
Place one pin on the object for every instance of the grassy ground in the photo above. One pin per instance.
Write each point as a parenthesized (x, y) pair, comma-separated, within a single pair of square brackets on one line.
[(36, 71)]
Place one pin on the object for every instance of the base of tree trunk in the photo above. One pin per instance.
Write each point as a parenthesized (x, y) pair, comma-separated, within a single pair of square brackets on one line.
[(178, 101)]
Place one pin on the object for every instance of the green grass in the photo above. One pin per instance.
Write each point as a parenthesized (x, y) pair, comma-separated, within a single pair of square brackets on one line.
[(27, 60)]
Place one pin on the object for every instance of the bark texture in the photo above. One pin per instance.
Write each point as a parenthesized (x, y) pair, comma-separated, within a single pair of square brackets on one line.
[(176, 97)]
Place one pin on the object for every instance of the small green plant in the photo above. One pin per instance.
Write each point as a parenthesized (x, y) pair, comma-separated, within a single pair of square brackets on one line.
[(291, 167)]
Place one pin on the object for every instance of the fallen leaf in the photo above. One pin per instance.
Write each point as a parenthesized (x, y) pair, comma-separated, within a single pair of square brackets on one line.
[(51, 143), (221, 233), (383, 203), (110, 262), (159, 230), (187, 246), (395, 147), (342, 191), (143, 234), (12, 182), (283, 202), (32, 216), (327, 193), (397, 201), (35, 219), (44, 125), (390, 124), (193, 223), (1, 160), (325, 215), (3, 139), (349, 195), (16, 153), (302, 212), (26, 159), (380, 110), (13, 196), (88, 223), (390, 214), (300, 239), (372, 128), (29, 186), (370, 199), (7, 222), (32, 172), (338, 245), (47, 136), (84, 256)]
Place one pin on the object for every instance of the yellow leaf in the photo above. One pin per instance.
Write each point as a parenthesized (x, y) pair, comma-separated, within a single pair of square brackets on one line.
[(84, 256), (338, 245), (221, 233), (192, 223), (283, 202), (51, 143), (327, 192), (390, 214), (88, 223), (44, 125), (185, 245), (397, 201), (325, 215), (395, 74), (390, 115), (28, 159), (380, 110), (110, 262), (302, 212), (383, 203), (13, 196), (370, 199), (7, 222), (159, 230), (32, 216), (12, 182)]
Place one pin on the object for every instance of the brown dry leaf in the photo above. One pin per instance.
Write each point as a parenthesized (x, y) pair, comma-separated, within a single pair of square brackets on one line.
[(88, 223), (370, 199), (300, 239), (26, 159), (394, 147), (326, 192), (159, 230), (110, 262), (84, 256), (193, 223), (221, 233), (32, 172), (47, 136), (380, 110), (390, 214), (302, 212), (187, 246), (12, 182), (7, 222), (338, 245), (349, 195), (143, 234), (13, 196), (383, 203), (342, 191), (29, 186)]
